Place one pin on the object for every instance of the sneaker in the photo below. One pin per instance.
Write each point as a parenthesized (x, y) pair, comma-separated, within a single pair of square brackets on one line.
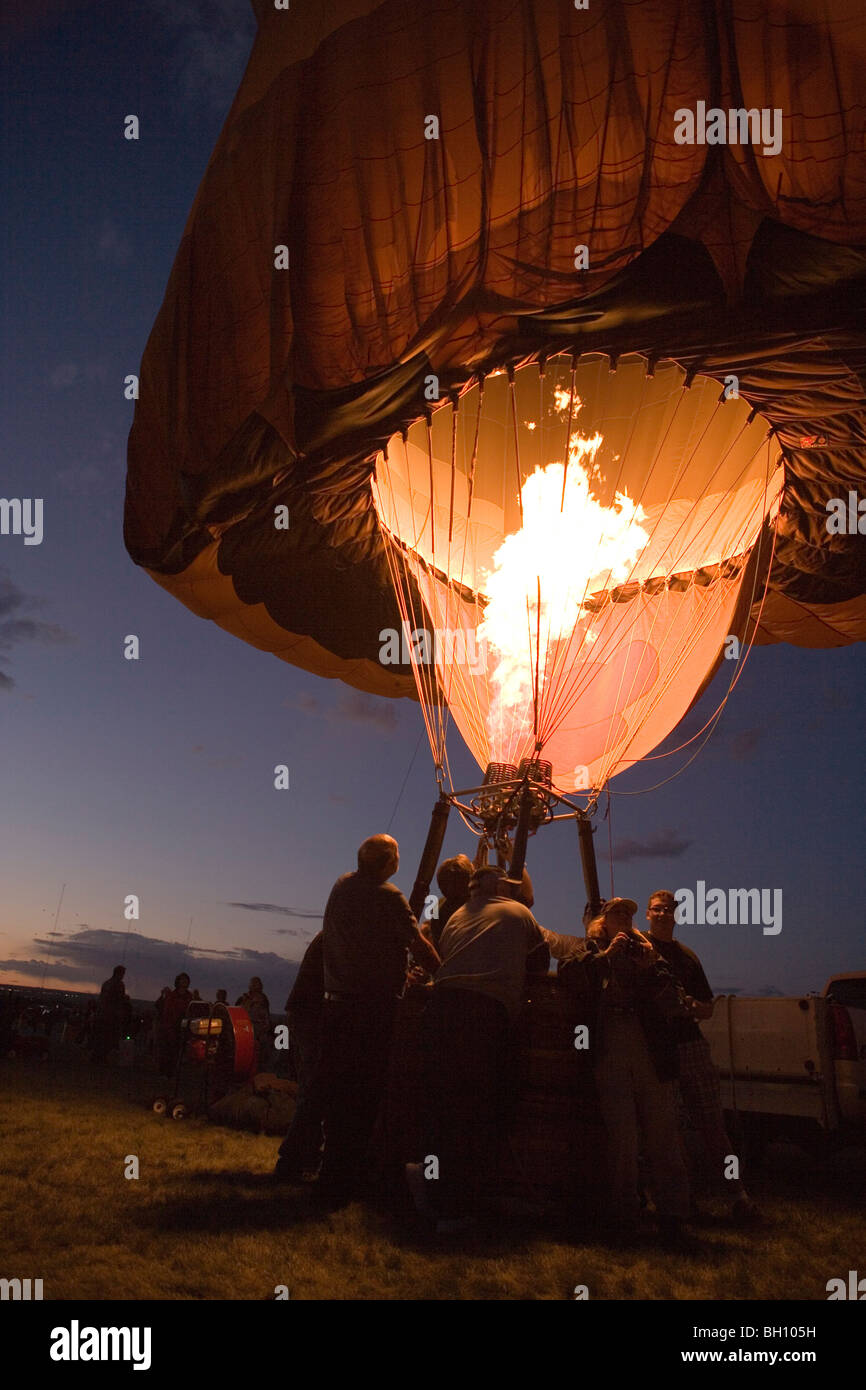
[(418, 1191)]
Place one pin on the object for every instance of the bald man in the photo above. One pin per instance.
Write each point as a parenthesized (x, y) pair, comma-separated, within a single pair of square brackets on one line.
[(478, 993), (368, 931)]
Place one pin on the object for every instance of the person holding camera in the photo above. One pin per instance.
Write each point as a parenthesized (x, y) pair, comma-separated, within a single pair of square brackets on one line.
[(627, 999)]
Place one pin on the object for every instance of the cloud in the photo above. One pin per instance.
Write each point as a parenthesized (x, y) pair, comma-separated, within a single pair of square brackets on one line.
[(664, 844), (275, 907), (14, 629), (110, 244), (366, 709), (353, 707), (88, 955), (217, 759), (741, 745), (310, 704), (66, 373), (738, 744), (210, 42)]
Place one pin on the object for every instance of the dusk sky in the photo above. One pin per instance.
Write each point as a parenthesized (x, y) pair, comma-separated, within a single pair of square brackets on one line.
[(155, 777)]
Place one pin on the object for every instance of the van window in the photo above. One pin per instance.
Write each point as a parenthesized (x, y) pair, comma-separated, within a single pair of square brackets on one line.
[(850, 993)]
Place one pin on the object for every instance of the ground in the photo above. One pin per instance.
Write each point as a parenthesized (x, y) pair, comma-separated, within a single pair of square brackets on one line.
[(203, 1220)]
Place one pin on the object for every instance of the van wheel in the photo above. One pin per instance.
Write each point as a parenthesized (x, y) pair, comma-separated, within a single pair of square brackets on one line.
[(160, 1105), (736, 1130), (755, 1140), (178, 1112)]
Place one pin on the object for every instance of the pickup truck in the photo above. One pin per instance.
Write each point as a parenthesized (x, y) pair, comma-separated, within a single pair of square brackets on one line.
[(794, 1068)]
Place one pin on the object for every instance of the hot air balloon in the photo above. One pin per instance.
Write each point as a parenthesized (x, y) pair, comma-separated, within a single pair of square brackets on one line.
[(510, 360)]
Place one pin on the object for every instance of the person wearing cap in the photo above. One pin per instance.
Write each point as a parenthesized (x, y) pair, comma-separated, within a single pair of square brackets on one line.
[(453, 878), (627, 998), (478, 992), (698, 1078)]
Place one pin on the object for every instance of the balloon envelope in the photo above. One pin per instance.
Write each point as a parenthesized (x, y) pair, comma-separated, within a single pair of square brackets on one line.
[(574, 607), (402, 197)]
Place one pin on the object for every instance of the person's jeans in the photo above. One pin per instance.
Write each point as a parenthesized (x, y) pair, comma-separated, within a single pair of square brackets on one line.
[(356, 1046), (639, 1112), (301, 1149), (466, 1038)]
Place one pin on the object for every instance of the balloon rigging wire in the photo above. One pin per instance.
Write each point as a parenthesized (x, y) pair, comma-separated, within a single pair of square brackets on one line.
[(714, 718), (569, 693), (760, 541), (565, 696), (683, 653), (609, 820), (405, 780), (569, 697), (436, 710), (680, 655), (472, 689)]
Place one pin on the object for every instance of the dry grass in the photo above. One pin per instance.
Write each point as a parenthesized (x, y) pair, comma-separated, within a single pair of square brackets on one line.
[(204, 1222)]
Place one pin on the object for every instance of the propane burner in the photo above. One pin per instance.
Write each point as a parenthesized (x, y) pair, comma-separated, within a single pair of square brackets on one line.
[(496, 799), (539, 775)]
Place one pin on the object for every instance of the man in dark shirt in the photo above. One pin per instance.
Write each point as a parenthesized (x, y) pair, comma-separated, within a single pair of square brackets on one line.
[(113, 1014), (300, 1151), (698, 1078), (367, 931)]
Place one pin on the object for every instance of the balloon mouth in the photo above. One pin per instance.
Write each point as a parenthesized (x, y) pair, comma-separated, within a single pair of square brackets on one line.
[(569, 538), (447, 488)]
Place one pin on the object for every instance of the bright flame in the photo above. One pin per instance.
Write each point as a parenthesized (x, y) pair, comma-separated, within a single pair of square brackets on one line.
[(562, 400), (569, 547)]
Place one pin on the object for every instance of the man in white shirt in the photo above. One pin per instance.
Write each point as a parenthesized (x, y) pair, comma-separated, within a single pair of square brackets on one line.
[(477, 995)]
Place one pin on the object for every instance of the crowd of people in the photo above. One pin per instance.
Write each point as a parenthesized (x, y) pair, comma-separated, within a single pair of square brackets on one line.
[(171, 1008), (103, 1027), (635, 999)]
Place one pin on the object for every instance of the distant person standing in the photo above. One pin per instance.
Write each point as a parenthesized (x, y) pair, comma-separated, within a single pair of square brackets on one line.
[(368, 929), (8, 1017), (257, 1005), (112, 1014), (174, 1006), (222, 996), (698, 1078)]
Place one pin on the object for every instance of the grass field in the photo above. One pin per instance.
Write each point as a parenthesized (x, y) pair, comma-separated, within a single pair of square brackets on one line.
[(204, 1222)]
